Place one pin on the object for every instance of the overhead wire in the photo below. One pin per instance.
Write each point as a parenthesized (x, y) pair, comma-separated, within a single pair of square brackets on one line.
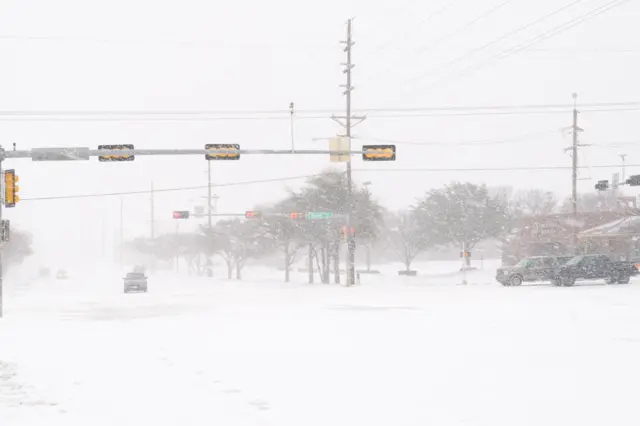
[(359, 170), (385, 46), (538, 39), (482, 142), (204, 115), (494, 41), (428, 47)]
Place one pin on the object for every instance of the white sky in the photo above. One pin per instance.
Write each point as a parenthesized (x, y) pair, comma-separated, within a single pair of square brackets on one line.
[(259, 55)]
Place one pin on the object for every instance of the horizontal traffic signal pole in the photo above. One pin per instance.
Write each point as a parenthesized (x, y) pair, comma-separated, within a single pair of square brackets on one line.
[(133, 152)]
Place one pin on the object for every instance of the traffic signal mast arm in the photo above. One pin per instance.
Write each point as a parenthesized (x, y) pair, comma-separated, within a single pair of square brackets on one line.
[(201, 151)]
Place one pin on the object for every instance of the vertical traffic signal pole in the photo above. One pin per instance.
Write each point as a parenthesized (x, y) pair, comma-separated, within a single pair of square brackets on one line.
[(1, 249)]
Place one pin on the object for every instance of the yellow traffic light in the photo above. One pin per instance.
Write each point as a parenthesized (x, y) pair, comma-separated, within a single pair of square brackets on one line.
[(214, 155), (10, 188), (379, 153)]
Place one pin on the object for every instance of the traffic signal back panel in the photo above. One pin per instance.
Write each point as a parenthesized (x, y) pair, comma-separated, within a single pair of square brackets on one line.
[(116, 157), (379, 153), (212, 147)]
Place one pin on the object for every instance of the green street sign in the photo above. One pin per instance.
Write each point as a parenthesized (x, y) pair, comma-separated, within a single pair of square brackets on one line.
[(319, 215)]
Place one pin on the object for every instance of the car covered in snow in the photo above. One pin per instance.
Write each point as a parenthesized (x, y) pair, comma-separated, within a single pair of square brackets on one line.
[(532, 269), (135, 282)]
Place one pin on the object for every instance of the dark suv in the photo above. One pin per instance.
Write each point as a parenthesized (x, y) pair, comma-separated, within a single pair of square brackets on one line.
[(529, 269)]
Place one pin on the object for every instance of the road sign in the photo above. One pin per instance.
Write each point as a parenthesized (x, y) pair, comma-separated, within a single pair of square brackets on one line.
[(59, 154), (5, 231), (379, 153), (116, 157), (319, 215), (181, 215), (340, 144), (212, 147)]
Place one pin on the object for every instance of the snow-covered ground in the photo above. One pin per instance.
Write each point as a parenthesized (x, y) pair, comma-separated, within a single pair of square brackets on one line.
[(392, 351)]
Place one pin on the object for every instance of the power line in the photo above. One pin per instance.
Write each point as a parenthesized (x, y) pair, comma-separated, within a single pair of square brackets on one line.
[(538, 39), (384, 46), (495, 41), (447, 36), (23, 115), (482, 142), (191, 43), (183, 188), (282, 179), (309, 111)]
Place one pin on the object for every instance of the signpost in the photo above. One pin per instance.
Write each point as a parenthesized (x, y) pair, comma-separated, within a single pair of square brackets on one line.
[(60, 154), (319, 215)]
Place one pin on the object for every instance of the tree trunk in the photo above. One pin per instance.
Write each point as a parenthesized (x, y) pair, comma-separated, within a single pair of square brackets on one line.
[(229, 268), (287, 263), (310, 263), (238, 270), (325, 256), (336, 263), (368, 252)]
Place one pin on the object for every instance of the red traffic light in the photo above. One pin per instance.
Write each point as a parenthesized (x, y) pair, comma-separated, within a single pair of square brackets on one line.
[(181, 215), (344, 230), (296, 215), (252, 214)]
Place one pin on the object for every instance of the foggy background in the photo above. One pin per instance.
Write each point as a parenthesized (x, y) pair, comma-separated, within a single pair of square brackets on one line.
[(146, 56)]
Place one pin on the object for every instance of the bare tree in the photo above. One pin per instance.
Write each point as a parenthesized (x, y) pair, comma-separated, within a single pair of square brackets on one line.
[(535, 202), (406, 238)]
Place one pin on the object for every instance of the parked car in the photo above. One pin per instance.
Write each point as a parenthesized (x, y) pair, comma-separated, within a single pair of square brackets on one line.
[(135, 282), (62, 274), (531, 269), (595, 267)]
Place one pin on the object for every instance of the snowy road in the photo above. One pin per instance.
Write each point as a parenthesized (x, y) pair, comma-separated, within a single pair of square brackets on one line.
[(200, 353)]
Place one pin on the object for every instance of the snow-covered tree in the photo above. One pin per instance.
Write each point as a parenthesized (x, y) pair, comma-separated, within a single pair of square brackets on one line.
[(406, 237), (461, 213)]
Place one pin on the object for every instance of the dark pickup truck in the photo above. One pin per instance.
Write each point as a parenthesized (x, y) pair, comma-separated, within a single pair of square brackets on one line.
[(595, 267), (529, 269)]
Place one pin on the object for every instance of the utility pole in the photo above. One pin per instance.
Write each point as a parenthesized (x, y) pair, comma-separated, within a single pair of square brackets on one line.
[(293, 141), (624, 177), (121, 231), (2, 248), (153, 221), (209, 193), (348, 124), (574, 175)]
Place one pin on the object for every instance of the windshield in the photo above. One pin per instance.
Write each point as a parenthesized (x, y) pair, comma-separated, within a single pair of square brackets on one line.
[(575, 260), (523, 263)]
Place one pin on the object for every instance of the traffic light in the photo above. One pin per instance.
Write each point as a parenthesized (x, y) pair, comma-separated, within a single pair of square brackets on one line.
[(602, 185), (181, 215), (297, 216), (116, 157), (10, 188), (343, 232), (465, 254), (633, 180), (252, 215), (212, 147), (379, 153)]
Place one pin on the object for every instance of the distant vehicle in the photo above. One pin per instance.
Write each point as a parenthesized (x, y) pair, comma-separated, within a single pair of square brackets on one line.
[(135, 282), (62, 274), (595, 267), (531, 269)]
